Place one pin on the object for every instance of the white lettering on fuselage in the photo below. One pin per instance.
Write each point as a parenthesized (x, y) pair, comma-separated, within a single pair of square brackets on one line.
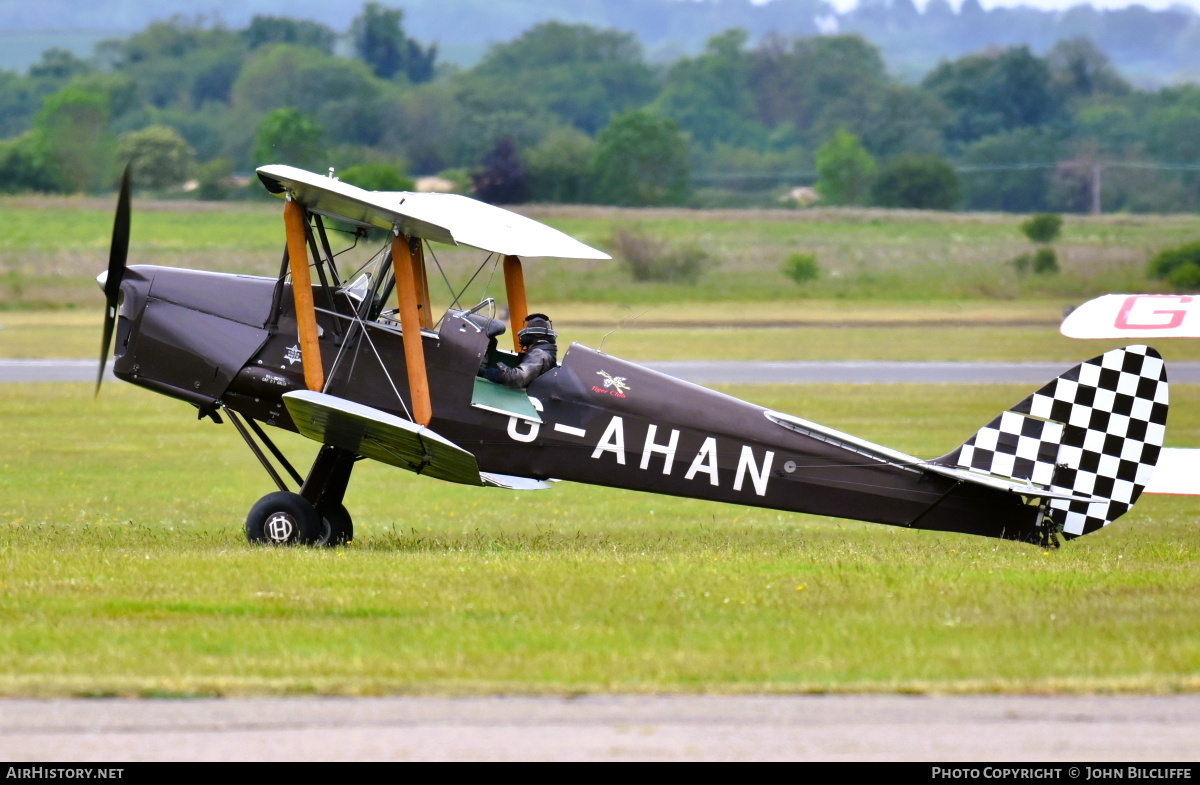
[(757, 476), (658, 445), (515, 422), (705, 461), (666, 450), (613, 442)]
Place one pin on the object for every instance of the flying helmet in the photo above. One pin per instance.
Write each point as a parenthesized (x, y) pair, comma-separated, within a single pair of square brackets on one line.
[(538, 328)]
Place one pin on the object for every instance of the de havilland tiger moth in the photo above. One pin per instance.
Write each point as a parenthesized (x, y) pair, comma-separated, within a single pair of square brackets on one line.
[(361, 365)]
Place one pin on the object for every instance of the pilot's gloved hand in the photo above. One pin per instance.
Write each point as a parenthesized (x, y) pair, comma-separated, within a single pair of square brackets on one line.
[(493, 374)]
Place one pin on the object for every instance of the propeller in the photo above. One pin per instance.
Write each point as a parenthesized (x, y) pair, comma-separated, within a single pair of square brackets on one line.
[(117, 255)]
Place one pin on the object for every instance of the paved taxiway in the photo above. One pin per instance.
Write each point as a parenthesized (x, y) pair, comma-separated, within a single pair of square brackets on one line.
[(609, 728)]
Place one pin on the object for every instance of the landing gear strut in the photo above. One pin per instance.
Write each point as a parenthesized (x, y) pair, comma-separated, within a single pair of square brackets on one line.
[(315, 515), (325, 488)]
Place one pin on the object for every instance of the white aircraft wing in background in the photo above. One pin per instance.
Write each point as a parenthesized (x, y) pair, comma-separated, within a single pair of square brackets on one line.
[(1135, 316)]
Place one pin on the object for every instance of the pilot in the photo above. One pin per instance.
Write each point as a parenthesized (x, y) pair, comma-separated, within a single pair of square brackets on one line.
[(540, 354)]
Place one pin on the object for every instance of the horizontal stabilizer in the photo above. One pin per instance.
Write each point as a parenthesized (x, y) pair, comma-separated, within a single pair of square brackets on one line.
[(1024, 488), (380, 436)]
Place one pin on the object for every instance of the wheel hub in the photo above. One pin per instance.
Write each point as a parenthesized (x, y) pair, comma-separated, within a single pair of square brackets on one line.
[(280, 527)]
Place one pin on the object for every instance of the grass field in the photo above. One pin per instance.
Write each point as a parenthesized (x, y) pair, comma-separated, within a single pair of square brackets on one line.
[(52, 248), (124, 571)]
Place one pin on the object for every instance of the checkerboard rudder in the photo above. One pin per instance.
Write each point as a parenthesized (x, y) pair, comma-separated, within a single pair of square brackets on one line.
[(1094, 433)]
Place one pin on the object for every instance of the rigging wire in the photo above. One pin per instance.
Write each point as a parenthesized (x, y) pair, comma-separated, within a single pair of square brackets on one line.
[(621, 324), (457, 298), (362, 326), (373, 260)]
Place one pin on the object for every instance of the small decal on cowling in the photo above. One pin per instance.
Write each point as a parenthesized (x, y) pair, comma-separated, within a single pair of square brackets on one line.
[(292, 355), (613, 385)]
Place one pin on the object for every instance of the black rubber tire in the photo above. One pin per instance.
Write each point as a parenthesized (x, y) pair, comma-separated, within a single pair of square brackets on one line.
[(337, 528), (283, 518)]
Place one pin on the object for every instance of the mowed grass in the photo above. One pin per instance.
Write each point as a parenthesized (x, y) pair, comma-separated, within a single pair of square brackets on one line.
[(51, 249), (124, 571)]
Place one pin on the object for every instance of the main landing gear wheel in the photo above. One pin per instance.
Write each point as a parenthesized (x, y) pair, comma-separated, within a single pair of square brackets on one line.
[(283, 518), (336, 527)]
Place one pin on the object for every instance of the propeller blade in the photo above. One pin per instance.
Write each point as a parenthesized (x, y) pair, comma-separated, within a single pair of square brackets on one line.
[(117, 256)]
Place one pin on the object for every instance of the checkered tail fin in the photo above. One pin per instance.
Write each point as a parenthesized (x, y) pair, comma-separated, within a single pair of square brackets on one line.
[(1090, 439)]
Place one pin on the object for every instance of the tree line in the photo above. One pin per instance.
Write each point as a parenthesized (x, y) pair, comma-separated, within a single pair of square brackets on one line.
[(577, 113)]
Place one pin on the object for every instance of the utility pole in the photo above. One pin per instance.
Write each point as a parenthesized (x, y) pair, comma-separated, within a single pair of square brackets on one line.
[(1096, 169)]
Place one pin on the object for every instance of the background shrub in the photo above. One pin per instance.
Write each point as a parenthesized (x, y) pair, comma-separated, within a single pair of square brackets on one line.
[(1185, 278), (918, 182), (801, 267), (1043, 227), (1170, 259), (377, 177), (1022, 264), (651, 258), (1045, 261), (214, 179)]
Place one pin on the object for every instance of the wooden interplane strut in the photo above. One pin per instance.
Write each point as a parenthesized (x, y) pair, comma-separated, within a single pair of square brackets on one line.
[(409, 291), (422, 279), (518, 307), (295, 219)]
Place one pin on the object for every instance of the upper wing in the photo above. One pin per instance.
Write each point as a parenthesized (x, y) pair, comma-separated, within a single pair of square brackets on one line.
[(443, 218), (1135, 316)]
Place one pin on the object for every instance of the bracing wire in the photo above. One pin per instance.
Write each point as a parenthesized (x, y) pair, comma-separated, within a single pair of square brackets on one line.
[(621, 324), (457, 298), (362, 326)]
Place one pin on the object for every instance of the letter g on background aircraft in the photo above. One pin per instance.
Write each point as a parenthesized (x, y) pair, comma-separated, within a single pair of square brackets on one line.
[(1141, 317), (370, 375)]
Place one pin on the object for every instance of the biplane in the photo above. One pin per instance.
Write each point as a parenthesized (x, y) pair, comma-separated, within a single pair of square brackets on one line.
[(359, 363)]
